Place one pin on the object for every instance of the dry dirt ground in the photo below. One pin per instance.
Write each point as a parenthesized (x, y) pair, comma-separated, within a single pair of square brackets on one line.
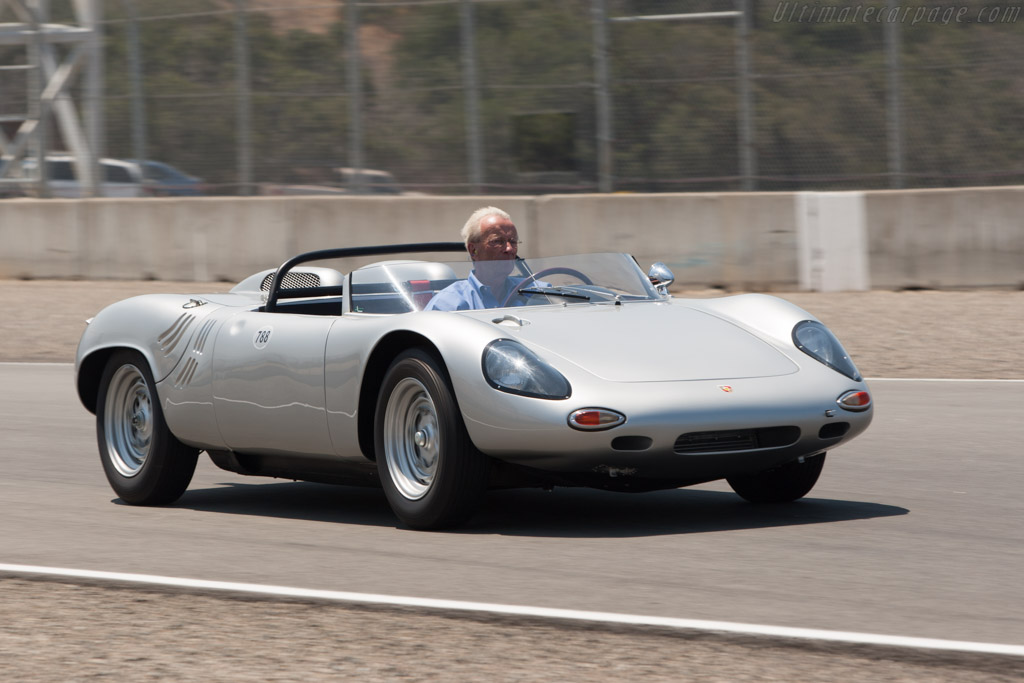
[(968, 334), (56, 631)]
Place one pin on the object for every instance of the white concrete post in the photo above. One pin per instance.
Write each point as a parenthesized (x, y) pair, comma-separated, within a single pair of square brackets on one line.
[(832, 241)]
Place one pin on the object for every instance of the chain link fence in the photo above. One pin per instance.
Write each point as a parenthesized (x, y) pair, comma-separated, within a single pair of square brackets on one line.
[(508, 97)]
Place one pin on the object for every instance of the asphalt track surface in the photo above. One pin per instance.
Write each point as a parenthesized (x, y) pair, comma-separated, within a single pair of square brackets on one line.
[(913, 530)]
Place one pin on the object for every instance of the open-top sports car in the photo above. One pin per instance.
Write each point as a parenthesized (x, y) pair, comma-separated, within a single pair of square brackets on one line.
[(589, 374)]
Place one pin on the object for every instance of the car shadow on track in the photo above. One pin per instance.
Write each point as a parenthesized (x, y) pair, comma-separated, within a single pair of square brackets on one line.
[(586, 513), (571, 513)]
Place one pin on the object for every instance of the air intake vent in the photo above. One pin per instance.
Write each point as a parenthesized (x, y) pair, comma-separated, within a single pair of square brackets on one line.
[(736, 440), (188, 369), (170, 337), (186, 374), (833, 430), (292, 280), (204, 334)]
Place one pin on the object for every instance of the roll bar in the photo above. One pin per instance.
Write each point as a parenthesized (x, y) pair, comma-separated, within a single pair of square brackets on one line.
[(346, 252)]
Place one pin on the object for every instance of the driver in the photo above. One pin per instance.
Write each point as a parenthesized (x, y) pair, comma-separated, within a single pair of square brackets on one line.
[(492, 242)]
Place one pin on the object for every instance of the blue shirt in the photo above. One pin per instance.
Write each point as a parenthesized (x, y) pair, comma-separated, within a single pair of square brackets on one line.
[(471, 294)]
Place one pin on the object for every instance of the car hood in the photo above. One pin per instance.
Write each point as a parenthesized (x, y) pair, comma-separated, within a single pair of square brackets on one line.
[(643, 342)]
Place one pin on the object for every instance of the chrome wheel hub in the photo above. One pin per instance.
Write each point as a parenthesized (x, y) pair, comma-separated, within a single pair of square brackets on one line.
[(412, 441), (128, 420)]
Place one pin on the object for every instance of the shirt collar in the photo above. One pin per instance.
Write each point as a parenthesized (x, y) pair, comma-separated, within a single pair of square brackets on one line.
[(481, 287)]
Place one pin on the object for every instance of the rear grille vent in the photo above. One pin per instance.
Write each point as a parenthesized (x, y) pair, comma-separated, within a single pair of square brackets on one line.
[(292, 281), (736, 440)]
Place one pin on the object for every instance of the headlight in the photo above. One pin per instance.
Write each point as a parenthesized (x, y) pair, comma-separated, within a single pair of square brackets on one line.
[(818, 342), (510, 366)]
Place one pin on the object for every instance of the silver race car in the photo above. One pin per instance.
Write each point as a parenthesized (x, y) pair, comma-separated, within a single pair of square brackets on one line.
[(588, 374)]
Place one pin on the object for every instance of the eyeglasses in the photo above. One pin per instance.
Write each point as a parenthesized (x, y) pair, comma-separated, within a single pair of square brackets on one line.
[(499, 242)]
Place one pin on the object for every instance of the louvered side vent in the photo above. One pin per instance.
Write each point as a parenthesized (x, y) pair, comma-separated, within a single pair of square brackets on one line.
[(204, 333), (292, 280), (188, 369), (736, 440), (169, 338)]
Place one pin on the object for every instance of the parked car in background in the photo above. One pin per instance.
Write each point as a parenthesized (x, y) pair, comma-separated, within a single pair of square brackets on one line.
[(9, 190), (164, 180), (371, 181), (342, 181), (120, 178)]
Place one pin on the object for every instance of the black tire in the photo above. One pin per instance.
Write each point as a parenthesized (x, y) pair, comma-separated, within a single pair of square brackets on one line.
[(144, 463), (782, 484), (432, 475)]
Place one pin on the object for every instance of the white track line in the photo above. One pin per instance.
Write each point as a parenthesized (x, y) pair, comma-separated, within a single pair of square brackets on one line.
[(519, 610), (935, 379), (15, 362)]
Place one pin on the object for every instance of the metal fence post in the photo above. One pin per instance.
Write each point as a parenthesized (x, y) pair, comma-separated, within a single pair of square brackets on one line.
[(471, 87), (745, 94), (894, 101), (38, 109), (243, 95), (602, 96), (135, 69), (92, 16), (355, 97)]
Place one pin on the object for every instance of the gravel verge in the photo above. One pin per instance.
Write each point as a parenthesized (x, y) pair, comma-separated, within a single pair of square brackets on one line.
[(55, 631)]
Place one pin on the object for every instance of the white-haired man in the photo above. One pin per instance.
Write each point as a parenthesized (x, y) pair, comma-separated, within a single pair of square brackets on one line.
[(492, 242)]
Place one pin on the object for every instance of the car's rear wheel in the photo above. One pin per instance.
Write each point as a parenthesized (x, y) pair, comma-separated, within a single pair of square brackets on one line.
[(144, 463), (782, 484), (432, 474)]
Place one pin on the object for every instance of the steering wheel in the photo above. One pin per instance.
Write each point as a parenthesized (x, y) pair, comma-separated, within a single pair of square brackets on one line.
[(554, 270)]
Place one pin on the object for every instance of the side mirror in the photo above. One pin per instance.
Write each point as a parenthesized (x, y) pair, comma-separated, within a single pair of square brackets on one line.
[(661, 277)]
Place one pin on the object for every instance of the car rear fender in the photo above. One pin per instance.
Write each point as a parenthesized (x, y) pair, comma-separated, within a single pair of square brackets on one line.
[(158, 326)]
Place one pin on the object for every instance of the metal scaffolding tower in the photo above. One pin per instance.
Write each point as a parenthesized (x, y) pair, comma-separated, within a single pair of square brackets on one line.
[(54, 56)]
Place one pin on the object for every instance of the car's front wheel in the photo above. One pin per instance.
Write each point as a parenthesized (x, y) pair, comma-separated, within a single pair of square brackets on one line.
[(782, 484), (144, 463), (432, 474)]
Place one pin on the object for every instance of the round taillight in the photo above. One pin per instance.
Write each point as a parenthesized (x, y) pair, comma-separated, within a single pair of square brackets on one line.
[(594, 419), (855, 400)]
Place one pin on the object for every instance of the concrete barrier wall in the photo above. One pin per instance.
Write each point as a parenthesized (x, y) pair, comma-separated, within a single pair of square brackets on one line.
[(946, 238), (738, 241), (760, 241)]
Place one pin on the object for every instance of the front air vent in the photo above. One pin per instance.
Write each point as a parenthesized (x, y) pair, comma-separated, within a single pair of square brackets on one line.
[(169, 338), (632, 443), (292, 280), (735, 440), (833, 430)]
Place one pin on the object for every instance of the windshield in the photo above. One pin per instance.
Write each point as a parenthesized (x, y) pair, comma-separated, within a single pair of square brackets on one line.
[(405, 286)]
